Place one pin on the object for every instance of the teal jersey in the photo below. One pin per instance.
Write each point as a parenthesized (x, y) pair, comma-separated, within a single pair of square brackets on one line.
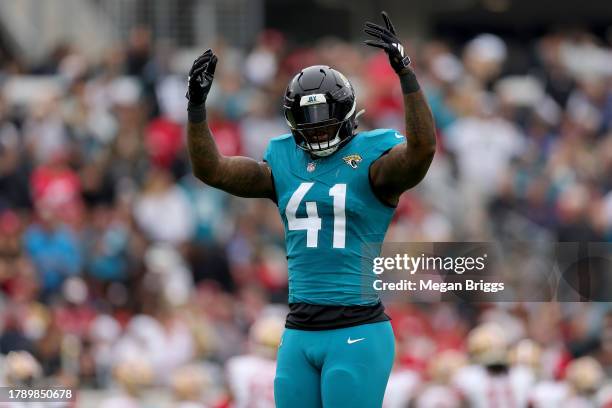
[(334, 223)]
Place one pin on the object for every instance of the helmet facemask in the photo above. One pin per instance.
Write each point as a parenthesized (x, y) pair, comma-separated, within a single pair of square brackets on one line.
[(318, 131)]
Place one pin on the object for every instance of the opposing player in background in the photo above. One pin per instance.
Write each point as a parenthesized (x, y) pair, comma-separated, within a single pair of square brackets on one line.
[(132, 376), (336, 190), (438, 392), (188, 384), (251, 376), (490, 380)]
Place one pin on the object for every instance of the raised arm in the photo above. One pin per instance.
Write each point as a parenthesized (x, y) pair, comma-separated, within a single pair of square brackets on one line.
[(405, 165), (240, 176)]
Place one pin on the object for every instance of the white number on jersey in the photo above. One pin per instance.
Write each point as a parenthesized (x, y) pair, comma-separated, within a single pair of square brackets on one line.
[(339, 193), (312, 222)]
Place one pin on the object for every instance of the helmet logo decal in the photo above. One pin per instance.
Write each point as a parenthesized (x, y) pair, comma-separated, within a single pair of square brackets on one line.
[(352, 160), (312, 99), (311, 167)]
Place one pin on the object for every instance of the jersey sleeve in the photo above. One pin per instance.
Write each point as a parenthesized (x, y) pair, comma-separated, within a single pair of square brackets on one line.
[(267, 156), (383, 140), (273, 156), (275, 151)]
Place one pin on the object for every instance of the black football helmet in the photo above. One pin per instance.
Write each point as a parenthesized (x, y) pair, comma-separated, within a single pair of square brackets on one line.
[(319, 108)]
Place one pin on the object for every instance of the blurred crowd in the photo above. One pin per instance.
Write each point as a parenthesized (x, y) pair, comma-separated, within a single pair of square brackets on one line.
[(121, 271)]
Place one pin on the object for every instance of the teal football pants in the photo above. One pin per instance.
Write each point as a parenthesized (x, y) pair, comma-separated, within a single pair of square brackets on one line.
[(335, 368)]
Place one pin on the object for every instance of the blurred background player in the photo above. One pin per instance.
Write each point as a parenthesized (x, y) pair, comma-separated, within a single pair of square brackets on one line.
[(402, 383), (439, 391), (188, 386), (132, 376), (20, 370), (251, 376), (489, 380), (547, 392), (584, 377), (527, 354)]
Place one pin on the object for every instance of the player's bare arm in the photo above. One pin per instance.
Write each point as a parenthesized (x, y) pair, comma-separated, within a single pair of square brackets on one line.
[(406, 164), (240, 176)]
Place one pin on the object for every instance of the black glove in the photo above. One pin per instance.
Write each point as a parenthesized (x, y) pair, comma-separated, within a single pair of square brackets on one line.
[(388, 41), (200, 80)]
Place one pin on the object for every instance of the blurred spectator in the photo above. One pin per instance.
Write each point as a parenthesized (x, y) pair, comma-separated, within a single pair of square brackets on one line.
[(55, 251), (160, 196)]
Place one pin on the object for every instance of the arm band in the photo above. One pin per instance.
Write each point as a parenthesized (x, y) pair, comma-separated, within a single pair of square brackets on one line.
[(197, 113), (409, 83)]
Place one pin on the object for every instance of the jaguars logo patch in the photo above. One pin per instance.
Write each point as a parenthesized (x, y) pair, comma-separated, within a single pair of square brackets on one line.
[(352, 160)]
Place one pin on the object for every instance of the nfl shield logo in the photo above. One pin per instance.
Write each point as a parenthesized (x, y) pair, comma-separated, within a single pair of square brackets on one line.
[(311, 167)]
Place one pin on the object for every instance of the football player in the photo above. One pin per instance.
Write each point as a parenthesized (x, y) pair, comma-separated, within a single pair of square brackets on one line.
[(188, 385), (439, 392), (20, 370), (251, 376), (132, 376), (336, 190), (490, 380), (584, 376)]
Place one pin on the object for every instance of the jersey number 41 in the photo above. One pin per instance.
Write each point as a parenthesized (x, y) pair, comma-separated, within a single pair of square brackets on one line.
[(312, 222)]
